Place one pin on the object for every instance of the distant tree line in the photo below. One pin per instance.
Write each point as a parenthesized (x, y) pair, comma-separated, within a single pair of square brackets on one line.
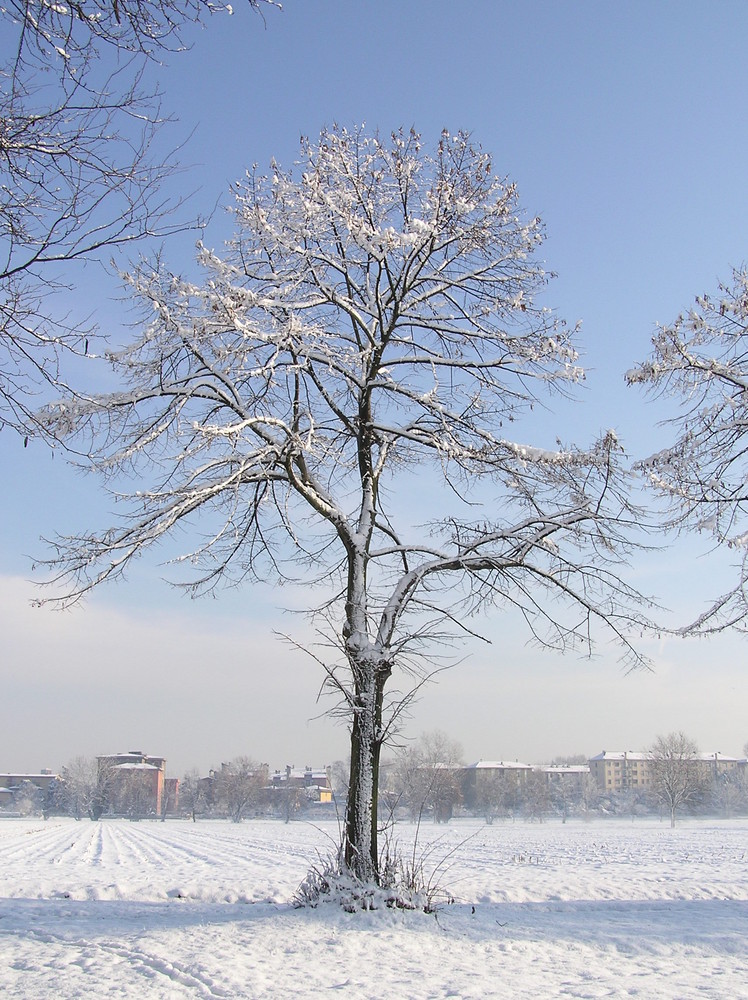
[(240, 788), (428, 781), (424, 782)]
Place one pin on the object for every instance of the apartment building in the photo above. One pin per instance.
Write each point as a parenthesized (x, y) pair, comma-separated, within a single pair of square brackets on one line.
[(136, 783), (478, 779), (620, 770), (624, 770)]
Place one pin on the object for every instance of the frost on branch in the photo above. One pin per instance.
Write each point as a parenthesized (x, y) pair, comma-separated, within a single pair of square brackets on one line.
[(82, 174), (701, 361), (375, 313)]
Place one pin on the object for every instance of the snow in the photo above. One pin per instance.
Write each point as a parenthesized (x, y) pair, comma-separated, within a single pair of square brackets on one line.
[(173, 910), (500, 764), (629, 755)]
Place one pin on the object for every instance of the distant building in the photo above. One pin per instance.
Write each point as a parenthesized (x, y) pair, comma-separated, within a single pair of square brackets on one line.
[(170, 803), (624, 770), (620, 770), (42, 779), (569, 776), (13, 787), (135, 784), (718, 765), (315, 781), (476, 779)]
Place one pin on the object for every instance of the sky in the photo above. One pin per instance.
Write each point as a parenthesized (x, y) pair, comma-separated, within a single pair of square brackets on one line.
[(624, 128)]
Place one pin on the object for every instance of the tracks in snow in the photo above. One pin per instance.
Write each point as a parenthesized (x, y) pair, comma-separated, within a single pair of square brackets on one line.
[(118, 859)]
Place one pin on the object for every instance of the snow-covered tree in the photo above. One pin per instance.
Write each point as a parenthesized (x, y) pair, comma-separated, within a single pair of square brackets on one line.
[(374, 317), (290, 801), (535, 796), (133, 793), (427, 776), (497, 795), (729, 792), (79, 174), (675, 770), (28, 799), (702, 361), (193, 797), (589, 795), (81, 787), (239, 786)]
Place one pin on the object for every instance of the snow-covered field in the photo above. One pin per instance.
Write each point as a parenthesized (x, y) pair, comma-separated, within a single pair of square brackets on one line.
[(145, 910)]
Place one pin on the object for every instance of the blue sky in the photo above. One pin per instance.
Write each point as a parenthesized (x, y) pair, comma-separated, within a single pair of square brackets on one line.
[(624, 127)]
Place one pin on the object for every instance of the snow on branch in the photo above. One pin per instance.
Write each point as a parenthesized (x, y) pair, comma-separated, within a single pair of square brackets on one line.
[(376, 311), (701, 361)]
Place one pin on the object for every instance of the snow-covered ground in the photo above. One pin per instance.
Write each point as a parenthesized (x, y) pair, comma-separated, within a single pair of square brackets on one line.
[(174, 910)]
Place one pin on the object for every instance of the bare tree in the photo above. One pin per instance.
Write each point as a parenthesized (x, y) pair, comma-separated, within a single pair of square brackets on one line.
[(81, 792), (589, 795), (192, 794), (563, 795), (675, 770), (373, 315), (79, 176), (634, 801), (169, 797), (86, 787), (427, 776), (72, 31), (729, 792), (240, 785), (134, 793), (497, 795), (702, 361), (410, 784), (289, 801), (107, 778), (535, 796), (339, 774)]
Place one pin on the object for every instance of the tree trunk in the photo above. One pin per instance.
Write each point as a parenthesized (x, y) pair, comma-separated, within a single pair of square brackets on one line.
[(361, 847)]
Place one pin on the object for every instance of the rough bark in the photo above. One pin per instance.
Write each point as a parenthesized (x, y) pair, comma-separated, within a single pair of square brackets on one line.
[(361, 847)]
